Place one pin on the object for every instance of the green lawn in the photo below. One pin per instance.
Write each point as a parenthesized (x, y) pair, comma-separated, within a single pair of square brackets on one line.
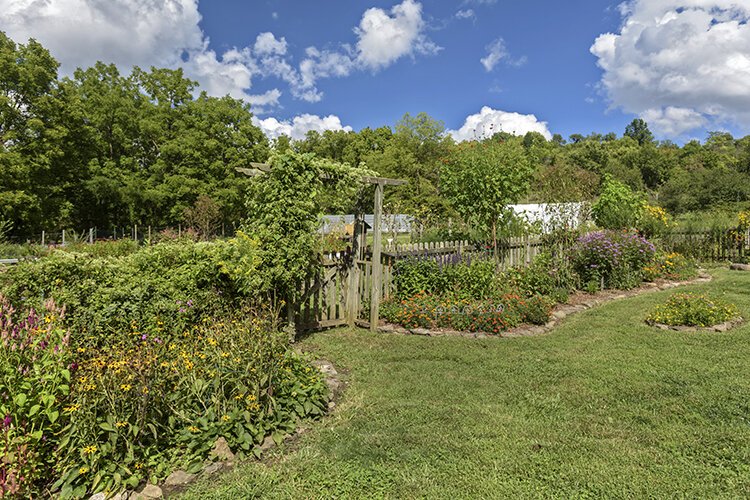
[(605, 406)]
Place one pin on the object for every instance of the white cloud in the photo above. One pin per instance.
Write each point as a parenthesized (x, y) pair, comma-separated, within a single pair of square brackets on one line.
[(266, 44), (490, 121), (162, 33), (673, 122), (683, 64), (166, 33), (80, 32), (496, 52), (385, 38), (261, 102), (299, 126), (465, 14)]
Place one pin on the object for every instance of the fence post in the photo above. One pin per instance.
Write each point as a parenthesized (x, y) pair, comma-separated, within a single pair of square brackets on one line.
[(63, 237), (91, 236), (352, 299), (42, 237), (377, 265), (149, 234)]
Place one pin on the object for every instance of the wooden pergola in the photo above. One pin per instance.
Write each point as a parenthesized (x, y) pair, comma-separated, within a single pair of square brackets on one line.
[(377, 236)]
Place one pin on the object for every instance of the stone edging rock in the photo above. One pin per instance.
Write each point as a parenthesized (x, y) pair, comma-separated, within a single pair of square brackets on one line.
[(178, 480), (721, 327), (560, 312)]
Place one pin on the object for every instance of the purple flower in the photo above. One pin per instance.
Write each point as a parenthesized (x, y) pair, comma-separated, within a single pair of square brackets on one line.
[(144, 336), (7, 421)]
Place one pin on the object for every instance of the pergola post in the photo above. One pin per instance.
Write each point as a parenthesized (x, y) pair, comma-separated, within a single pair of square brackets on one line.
[(377, 265)]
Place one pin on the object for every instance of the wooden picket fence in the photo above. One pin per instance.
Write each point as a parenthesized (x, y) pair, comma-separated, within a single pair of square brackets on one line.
[(716, 245), (341, 294)]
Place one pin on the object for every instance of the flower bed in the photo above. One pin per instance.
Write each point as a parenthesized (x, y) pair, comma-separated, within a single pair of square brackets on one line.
[(487, 315), (156, 355), (693, 310)]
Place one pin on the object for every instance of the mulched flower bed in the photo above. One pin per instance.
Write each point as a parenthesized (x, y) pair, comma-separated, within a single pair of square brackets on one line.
[(580, 301)]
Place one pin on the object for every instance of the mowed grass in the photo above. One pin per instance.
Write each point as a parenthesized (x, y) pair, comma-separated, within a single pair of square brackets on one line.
[(604, 407)]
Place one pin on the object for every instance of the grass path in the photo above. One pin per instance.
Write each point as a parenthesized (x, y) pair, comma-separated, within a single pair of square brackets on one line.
[(605, 406)]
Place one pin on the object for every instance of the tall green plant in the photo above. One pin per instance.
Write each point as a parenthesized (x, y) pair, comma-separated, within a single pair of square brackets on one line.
[(482, 178), (618, 207)]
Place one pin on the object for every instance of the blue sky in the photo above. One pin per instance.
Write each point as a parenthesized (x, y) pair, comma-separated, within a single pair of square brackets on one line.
[(579, 66)]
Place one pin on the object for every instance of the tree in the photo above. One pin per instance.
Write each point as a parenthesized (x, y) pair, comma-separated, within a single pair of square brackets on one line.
[(482, 179), (638, 130)]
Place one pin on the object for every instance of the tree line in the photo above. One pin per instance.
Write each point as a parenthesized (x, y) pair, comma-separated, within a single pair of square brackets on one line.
[(103, 149)]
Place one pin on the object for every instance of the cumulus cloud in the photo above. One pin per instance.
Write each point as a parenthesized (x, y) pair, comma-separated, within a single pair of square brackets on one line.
[(299, 126), (266, 44), (490, 121), (465, 14), (679, 64), (673, 122), (144, 33), (166, 33), (385, 38), (260, 103)]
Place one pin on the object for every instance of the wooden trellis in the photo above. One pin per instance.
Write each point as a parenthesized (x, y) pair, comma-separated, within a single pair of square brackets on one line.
[(312, 309)]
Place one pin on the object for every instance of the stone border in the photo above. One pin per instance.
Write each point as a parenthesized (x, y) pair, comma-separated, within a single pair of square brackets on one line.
[(721, 327), (221, 457), (559, 312)]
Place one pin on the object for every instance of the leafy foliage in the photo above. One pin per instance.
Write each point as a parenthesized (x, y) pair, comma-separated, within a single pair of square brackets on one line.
[(618, 207), (284, 210), (614, 259), (158, 354), (482, 179), (473, 315), (691, 309)]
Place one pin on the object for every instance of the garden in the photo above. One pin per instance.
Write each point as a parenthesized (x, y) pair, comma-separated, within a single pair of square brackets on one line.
[(125, 362)]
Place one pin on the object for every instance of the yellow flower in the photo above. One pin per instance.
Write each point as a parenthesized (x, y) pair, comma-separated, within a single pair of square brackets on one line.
[(226, 418), (81, 349), (88, 450), (145, 390), (72, 408), (83, 470), (139, 465), (126, 387)]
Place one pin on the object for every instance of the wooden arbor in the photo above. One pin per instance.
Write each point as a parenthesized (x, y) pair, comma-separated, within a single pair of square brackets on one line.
[(377, 242)]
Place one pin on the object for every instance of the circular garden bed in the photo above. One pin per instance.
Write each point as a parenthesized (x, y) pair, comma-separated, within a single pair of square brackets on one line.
[(694, 312)]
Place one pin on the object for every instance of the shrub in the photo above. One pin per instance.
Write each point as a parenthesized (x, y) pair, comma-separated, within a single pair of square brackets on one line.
[(483, 315), (462, 277), (654, 221), (673, 266), (618, 207), (614, 258), (691, 309), (547, 275), (168, 351), (109, 248)]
